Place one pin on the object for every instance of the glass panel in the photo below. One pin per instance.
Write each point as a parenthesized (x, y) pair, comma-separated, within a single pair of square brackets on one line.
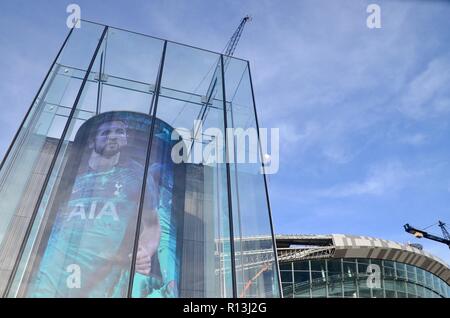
[(301, 265), (443, 288), (362, 267), (301, 277), (334, 270), (285, 266), (349, 269), (420, 276), (158, 256), (436, 283), (302, 292), (318, 265), (121, 98), (411, 273), (193, 201), (247, 182), (286, 276), (335, 289), (377, 293), (400, 287), (389, 287), (420, 291), (389, 284), (400, 270), (364, 290), (302, 284), (24, 171), (411, 289), (319, 291), (350, 289), (137, 61), (376, 262), (390, 294), (128, 72), (389, 269), (302, 287), (318, 277), (79, 49), (288, 291), (429, 280)]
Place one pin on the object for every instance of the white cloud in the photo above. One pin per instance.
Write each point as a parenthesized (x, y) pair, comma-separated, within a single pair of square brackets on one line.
[(299, 137), (338, 90), (428, 93), (414, 139), (380, 180)]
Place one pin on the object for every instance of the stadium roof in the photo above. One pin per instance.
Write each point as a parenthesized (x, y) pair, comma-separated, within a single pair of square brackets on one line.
[(301, 247)]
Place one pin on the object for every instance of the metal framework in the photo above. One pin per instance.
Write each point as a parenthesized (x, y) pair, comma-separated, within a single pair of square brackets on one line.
[(296, 254)]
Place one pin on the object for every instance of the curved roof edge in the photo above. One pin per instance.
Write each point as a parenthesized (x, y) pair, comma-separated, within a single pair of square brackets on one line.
[(353, 246)]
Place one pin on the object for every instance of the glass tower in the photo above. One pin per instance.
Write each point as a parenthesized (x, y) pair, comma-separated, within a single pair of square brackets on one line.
[(120, 181)]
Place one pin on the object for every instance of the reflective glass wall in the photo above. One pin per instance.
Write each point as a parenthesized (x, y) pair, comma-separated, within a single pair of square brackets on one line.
[(359, 278), (119, 181)]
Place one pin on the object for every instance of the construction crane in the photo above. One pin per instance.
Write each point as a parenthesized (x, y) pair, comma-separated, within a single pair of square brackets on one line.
[(422, 233), (227, 52), (232, 43)]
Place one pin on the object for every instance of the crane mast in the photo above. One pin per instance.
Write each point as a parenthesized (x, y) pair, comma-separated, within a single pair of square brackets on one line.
[(212, 88), (228, 52), (232, 43), (444, 230)]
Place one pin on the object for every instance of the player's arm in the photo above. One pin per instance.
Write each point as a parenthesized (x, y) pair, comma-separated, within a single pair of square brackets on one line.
[(148, 241)]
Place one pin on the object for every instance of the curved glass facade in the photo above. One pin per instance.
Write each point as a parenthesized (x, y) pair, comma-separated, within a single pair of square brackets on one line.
[(359, 278), (119, 181)]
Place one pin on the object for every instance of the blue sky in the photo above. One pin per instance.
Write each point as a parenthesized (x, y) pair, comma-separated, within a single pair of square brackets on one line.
[(363, 113)]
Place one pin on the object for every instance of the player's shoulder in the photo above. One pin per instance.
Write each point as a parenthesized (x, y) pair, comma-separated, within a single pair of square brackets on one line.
[(135, 165), (132, 168)]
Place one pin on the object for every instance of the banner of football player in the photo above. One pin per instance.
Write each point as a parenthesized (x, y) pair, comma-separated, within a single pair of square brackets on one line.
[(87, 246)]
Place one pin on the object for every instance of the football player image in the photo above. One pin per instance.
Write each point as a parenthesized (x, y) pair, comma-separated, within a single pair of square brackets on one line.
[(90, 245)]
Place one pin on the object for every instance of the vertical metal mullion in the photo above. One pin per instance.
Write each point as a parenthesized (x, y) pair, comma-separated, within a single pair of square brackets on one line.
[(293, 280), (384, 283), (395, 279), (326, 279), (370, 289), (222, 278), (227, 164), (265, 185), (34, 100), (102, 71), (238, 203), (357, 278), (153, 108), (52, 164), (416, 280), (99, 87), (310, 278), (342, 277)]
